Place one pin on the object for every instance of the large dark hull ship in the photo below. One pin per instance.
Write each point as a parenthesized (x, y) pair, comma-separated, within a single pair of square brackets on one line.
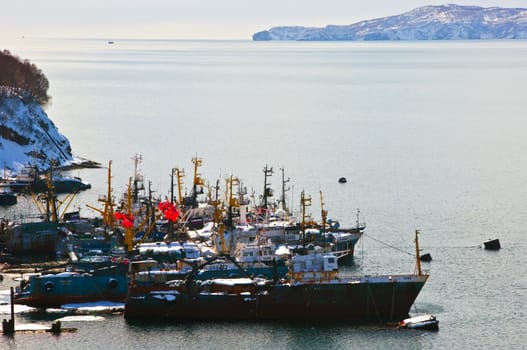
[(361, 300), (312, 289)]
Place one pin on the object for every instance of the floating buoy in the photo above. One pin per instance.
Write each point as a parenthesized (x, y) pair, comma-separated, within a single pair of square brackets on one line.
[(343, 180), (426, 257), (492, 244)]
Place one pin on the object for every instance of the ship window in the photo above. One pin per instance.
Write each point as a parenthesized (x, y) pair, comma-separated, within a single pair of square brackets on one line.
[(331, 260)]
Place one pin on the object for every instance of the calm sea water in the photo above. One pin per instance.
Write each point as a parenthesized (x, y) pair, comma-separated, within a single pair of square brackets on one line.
[(430, 135)]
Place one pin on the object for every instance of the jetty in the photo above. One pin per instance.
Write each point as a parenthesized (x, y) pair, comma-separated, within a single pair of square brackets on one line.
[(9, 328)]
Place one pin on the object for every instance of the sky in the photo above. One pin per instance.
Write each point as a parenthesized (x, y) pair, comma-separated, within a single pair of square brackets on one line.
[(194, 19)]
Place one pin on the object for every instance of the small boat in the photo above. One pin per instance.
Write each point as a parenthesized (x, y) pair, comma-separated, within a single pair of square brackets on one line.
[(424, 322), (66, 184), (29, 179)]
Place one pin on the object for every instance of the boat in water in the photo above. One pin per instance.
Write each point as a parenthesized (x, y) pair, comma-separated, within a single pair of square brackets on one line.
[(82, 283), (30, 180), (312, 289), (424, 322)]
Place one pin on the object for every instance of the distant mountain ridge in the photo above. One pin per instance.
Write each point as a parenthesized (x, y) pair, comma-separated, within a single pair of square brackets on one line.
[(443, 22)]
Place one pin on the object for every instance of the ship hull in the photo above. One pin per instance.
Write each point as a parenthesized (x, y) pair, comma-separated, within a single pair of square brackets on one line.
[(55, 290), (38, 238), (378, 299)]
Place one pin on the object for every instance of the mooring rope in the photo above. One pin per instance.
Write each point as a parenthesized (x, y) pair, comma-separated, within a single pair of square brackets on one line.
[(388, 245)]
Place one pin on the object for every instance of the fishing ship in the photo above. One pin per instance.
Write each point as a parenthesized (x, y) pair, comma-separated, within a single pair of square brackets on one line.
[(312, 289), (30, 180)]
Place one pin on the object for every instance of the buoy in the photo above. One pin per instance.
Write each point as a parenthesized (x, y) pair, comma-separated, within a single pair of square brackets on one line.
[(426, 257), (343, 180), (492, 244)]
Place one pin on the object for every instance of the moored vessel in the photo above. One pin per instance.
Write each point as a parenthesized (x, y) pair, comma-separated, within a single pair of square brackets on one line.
[(312, 289), (82, 284)]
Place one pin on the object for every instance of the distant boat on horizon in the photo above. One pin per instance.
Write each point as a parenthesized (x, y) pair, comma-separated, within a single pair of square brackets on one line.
[(110, 42)]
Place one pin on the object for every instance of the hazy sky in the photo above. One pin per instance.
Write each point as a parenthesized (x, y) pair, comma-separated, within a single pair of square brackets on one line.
[(190, 19)]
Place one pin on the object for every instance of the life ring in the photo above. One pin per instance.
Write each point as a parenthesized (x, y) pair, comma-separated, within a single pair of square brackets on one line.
[(113, 283), (48, 287)]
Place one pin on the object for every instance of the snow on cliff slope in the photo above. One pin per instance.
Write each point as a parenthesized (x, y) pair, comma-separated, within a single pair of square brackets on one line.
[(27, 135), (444, 22)]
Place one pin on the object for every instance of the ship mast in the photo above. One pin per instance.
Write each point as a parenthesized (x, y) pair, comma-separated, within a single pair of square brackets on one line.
[(323, 213), (107, 212), (180, 173), (284, 189), (108, 217), (51, 198), (128, 241), (218, 218), (198, 181), (267, 190), (233, 202), (138, 179), (417, 254), (304, 202)]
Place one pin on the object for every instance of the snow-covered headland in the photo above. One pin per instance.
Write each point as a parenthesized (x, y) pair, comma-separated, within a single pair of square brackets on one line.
[(443, 22), (29, 137)]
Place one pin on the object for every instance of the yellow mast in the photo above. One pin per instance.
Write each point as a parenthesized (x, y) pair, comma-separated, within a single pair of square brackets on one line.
[(107, 212), (52, 208), (179, 174), (197, 177), (417, 256), (198, 181), (51, 198), (218, 219), (233, 202)]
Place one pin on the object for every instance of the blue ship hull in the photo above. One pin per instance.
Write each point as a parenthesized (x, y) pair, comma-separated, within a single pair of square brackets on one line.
[(53, 290)]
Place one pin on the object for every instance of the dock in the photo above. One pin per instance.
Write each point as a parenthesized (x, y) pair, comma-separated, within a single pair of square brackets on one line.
[(9, 328)]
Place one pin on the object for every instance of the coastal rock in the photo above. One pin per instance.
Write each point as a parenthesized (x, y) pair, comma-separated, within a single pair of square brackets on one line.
[(444, 22), (28, 136)]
